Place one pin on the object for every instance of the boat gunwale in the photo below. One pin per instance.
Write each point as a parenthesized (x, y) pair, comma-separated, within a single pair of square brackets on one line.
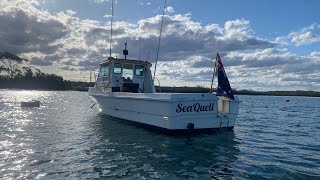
[(164, 99)]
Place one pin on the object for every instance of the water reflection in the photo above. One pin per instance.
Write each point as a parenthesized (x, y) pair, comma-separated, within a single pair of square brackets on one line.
[(16, 133), (125, 150), (66, 139)]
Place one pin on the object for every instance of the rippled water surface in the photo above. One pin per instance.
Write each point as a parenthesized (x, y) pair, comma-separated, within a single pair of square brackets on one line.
[(66, 139)]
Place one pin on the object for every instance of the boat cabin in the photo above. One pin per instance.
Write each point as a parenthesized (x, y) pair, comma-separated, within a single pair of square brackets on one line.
[(125, 75)]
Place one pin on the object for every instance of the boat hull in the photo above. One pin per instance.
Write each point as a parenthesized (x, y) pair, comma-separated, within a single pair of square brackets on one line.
[(169, 112), (170, 131)]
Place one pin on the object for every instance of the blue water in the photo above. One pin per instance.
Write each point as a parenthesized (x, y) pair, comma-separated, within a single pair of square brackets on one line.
[(66, 139)]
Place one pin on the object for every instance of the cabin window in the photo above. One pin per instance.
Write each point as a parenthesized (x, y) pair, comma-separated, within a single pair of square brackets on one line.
[(117, 68), (104, 71), (127, 71), (138, 70)]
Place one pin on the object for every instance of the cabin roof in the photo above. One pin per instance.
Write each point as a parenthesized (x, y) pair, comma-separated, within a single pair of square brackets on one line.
[(130, 61)]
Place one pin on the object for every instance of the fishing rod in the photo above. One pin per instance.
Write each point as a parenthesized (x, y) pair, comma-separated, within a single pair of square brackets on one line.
[(155, 66), (111, 29)]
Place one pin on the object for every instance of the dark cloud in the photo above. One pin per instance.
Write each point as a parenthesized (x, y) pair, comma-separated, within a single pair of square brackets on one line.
[(306, 67), (40, 62), (183, 37), (96, 34), (22, 32)]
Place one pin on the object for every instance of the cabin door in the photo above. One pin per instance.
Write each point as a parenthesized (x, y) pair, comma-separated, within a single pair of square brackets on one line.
[(139, 73), (117, 76)]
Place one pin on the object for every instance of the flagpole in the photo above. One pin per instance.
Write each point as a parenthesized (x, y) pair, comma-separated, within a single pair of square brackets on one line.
[(214, 71)]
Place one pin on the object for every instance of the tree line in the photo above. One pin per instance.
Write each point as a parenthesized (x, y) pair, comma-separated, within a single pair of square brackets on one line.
[(41, 81), (16, 74), (200, 89)]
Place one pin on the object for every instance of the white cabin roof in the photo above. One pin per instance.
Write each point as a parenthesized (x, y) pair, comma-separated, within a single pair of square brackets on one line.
[(129, 61)]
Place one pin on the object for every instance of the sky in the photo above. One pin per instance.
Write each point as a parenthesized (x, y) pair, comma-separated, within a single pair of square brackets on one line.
[(264, 45)]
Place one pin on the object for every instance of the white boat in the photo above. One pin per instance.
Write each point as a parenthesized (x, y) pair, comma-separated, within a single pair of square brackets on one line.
[(125, 89)]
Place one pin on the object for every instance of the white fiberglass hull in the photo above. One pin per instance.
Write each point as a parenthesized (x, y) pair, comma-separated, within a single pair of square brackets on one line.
[(171, 112)]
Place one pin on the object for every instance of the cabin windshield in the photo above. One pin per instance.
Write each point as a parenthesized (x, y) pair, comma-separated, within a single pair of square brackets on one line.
[(104, 71), (127, 71), (117, 68)]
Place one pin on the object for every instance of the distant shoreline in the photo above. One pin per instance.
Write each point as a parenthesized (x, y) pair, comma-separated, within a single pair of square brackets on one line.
[(30, 80), (240, 92)]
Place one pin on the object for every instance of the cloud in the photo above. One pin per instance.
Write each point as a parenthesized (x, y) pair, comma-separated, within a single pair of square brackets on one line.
[(70, 12), (68, 68), (100, 1), (141, 3), (107, 16), (282, 40), (268, 69), (304, 38), (266, 58), (65, 36), (307, 35), (40, 62), (183, 37), (62, 41), (169, 9), (27, 29)]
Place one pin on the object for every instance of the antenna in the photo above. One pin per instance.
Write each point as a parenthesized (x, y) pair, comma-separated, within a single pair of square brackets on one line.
[(155, 66), (125, 51), (111, 28)]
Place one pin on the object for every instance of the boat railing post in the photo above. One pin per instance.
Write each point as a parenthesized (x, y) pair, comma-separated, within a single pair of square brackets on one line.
[(159, 84), (95, 76)]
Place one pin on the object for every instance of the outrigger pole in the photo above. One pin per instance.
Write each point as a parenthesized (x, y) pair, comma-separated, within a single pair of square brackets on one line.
[(155, 66), (111, 28)]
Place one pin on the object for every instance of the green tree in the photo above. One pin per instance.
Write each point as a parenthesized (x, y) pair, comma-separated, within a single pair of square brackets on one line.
[(10, 63)]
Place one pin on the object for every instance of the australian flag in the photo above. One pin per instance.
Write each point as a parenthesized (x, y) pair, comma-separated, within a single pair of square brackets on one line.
[(223, 82)]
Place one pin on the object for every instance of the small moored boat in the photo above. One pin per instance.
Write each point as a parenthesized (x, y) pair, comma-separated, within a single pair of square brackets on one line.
[(33, 103)]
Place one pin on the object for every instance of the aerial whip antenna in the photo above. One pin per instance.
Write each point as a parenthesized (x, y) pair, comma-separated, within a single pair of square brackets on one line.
[(111, 28), (155, 66)]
